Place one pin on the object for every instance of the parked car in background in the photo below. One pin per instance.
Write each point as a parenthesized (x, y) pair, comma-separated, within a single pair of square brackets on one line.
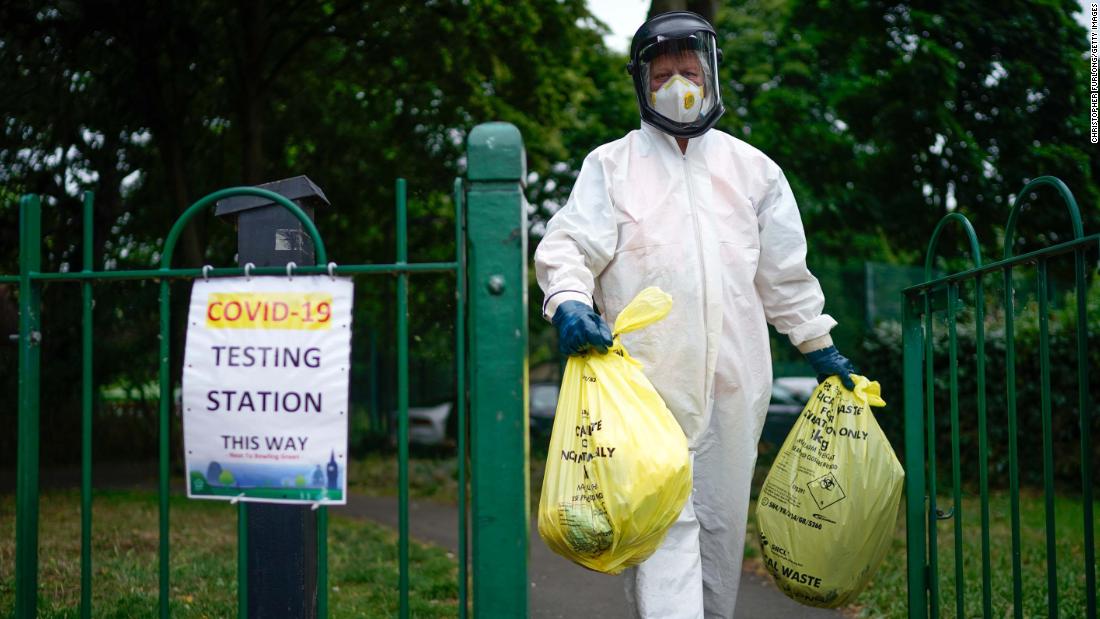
[(802, 387), (427, 424), (789, 397), (544, 401)]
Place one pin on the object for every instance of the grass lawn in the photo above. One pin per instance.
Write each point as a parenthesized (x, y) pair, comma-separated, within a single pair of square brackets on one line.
[(886, 595), (363, 556), (430, 477), (362, 560)]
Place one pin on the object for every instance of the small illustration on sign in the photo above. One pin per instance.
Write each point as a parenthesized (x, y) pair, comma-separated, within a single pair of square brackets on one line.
[(826, 490)]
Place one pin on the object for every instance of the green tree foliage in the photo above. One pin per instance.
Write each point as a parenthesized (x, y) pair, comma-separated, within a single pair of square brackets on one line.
[(887, 115), (152, 106), (883, 115), (352, 95)]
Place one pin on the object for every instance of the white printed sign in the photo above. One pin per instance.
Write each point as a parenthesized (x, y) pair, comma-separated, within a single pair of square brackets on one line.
[(265, 389)]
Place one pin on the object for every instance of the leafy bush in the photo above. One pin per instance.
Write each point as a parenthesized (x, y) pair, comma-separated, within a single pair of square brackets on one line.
[(883, 352)]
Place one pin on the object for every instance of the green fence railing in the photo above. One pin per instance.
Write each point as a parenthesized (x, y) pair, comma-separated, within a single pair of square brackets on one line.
[(491, 206), (938, 298)]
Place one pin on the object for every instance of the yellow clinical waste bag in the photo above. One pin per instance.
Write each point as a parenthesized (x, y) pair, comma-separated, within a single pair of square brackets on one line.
[(826, 511), (618, 472)]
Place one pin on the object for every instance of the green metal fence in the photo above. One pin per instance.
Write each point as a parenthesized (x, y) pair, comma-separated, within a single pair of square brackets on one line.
[(940, 298), (490, 251)]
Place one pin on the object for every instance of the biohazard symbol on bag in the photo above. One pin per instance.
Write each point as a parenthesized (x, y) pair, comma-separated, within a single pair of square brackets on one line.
[(827, 508), (618, 471), (826, 490)]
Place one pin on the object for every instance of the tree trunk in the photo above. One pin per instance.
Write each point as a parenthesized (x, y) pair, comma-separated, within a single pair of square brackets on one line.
[(192, 240), (167, 104), (251, 104), (707, 8)]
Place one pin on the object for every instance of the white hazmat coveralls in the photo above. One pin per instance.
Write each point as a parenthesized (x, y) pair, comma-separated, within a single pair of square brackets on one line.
[(717, 228)]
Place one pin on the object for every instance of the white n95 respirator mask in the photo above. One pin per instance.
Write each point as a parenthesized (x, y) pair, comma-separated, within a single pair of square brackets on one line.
[(678, 99)]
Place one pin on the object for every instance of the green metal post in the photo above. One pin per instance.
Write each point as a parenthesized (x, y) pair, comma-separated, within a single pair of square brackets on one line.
[(930, 421), (195, 272), (497, 272), (950, 294), (1084, 410), (1013, 453), (916, 533), (30, 336), (460, 382), (86, 418), (402, 401), (956, 467), (1048, 447), (1044, 369), (983, 449)]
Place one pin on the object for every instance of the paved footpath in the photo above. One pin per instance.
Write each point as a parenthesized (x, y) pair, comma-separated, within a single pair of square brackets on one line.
[(560, 588)]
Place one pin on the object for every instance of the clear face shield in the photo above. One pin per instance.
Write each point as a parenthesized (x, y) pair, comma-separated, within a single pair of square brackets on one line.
[(678, 79)]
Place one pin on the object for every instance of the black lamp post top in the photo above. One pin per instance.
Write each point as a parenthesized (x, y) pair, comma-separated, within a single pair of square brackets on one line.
[(297, 189)]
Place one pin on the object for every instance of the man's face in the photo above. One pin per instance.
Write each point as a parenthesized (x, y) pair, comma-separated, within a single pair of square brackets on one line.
[(686, 63)]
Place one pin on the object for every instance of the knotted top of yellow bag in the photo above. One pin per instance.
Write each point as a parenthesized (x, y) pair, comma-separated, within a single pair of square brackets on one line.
[(867, 390), (649, 306)]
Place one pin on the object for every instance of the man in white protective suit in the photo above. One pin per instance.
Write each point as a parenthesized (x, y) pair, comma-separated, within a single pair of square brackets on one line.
[(712, 221)]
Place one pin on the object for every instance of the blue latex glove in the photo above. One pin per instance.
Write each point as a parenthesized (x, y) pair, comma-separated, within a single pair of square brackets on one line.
[(829, 362), (580, 327)]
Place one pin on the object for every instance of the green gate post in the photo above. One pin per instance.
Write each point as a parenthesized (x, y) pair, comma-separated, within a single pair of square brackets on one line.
[(30, 337), (497, 275)]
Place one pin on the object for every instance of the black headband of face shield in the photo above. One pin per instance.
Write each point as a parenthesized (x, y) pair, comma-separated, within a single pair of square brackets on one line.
[(667, 45), (670, 46)]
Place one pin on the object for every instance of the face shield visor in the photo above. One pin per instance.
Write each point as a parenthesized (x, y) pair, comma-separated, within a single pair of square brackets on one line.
[(676, 80)]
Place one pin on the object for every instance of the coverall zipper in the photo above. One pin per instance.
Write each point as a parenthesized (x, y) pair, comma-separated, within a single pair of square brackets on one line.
[(702, 262)]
